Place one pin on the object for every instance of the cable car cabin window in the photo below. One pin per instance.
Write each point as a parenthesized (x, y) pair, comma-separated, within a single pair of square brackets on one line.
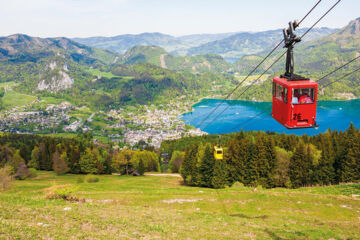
[(274, 89), (281, 93), (303, 95), (218, 152)]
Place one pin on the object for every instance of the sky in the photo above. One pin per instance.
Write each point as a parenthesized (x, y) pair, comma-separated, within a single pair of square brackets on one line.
[(85, 18)]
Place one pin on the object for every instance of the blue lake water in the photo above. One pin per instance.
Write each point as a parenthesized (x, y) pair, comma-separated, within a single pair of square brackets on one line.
[(240, 115)]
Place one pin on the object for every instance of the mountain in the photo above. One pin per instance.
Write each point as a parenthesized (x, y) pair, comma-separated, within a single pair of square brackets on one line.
[(49, 64), (314, 59), (122, 43), (100, 79), (159, 57), (176, 45), (247, 43)]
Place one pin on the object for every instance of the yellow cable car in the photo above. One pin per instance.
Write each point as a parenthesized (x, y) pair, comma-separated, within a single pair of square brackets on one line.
[(218, 151)]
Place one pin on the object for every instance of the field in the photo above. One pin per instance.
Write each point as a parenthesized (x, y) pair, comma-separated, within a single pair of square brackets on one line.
[(159, 207)]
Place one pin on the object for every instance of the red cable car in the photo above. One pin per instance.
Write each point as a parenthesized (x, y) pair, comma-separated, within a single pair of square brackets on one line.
[(294, 102), (294, 96)]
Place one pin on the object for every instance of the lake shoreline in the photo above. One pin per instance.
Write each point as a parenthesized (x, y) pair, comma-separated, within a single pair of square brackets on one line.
[(334, 114)]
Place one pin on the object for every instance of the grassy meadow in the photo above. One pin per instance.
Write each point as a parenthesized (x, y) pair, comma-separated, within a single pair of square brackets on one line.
[(160, 207)]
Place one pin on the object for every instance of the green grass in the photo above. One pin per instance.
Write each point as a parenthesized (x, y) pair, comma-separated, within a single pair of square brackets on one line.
[(8, 85), (99, 73), (14, 99), (52, 100), (63, 135), (120, 207)]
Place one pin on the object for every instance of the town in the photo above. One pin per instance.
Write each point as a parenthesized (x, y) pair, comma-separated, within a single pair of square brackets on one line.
[(125, 127)]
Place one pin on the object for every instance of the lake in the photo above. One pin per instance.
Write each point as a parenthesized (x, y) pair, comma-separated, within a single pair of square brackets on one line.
[(240, 115)]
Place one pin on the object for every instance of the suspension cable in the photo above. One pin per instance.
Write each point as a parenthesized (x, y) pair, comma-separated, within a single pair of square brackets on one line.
[(276, 60), (352, 60), (248, 120), (263, 60), (340, 78), (344, 76)]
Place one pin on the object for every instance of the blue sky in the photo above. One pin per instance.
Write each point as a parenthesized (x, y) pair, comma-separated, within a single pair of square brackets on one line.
[(83, 18)]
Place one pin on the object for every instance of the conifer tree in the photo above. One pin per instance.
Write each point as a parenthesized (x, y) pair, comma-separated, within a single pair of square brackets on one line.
[(207, 167), (236, 158), (297, 171), (219, 178), (141, 167), (324, 172), (35, 157), (189, 164), (271, 162), (350, 166), (258, 165)]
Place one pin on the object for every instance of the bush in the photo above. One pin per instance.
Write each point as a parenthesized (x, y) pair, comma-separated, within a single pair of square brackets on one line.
[(5, 178), (238, 185), (32, 173), (61, 192), (80, 179), (22, 172), (91, 179)]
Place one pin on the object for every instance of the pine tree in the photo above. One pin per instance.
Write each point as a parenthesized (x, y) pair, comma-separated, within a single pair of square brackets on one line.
[(35, 158), (141, 167), (271, 161), (219, 178), (207, 167), (297, 169), (189, 165), (237, 157), (350, 170), (258, 165), (324, 172)]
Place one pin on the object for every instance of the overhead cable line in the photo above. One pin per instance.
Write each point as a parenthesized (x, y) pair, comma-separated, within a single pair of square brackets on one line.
[(263, 60), (276, 60), (340, 78), (248, 120), (344, 76), (337, 69)]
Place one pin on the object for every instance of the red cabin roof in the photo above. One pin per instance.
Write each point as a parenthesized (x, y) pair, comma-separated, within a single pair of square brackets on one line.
[(296, 84)]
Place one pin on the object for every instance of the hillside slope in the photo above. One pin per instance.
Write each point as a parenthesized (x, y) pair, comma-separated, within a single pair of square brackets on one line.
[(158, 56), (245, 43), (315, 59), (51, 64)]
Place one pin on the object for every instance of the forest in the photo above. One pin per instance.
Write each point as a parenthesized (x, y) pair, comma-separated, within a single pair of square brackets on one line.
[(251, 158), (270, 160)]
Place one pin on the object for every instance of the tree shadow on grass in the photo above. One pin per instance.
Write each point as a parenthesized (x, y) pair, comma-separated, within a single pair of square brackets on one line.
[(240, 215), (273, 235)]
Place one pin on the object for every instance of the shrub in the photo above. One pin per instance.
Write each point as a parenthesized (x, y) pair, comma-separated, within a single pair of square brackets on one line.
[(238, 185), (22, 172), (80, 179), (32, 173), (91, 178), (61, 192), (5, 178)]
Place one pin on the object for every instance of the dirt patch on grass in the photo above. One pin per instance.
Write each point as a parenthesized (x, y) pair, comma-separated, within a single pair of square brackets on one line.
[(179, 200)]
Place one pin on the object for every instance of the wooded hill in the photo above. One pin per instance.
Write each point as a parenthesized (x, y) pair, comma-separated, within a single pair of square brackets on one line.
[(251, 158), (270, 160)]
